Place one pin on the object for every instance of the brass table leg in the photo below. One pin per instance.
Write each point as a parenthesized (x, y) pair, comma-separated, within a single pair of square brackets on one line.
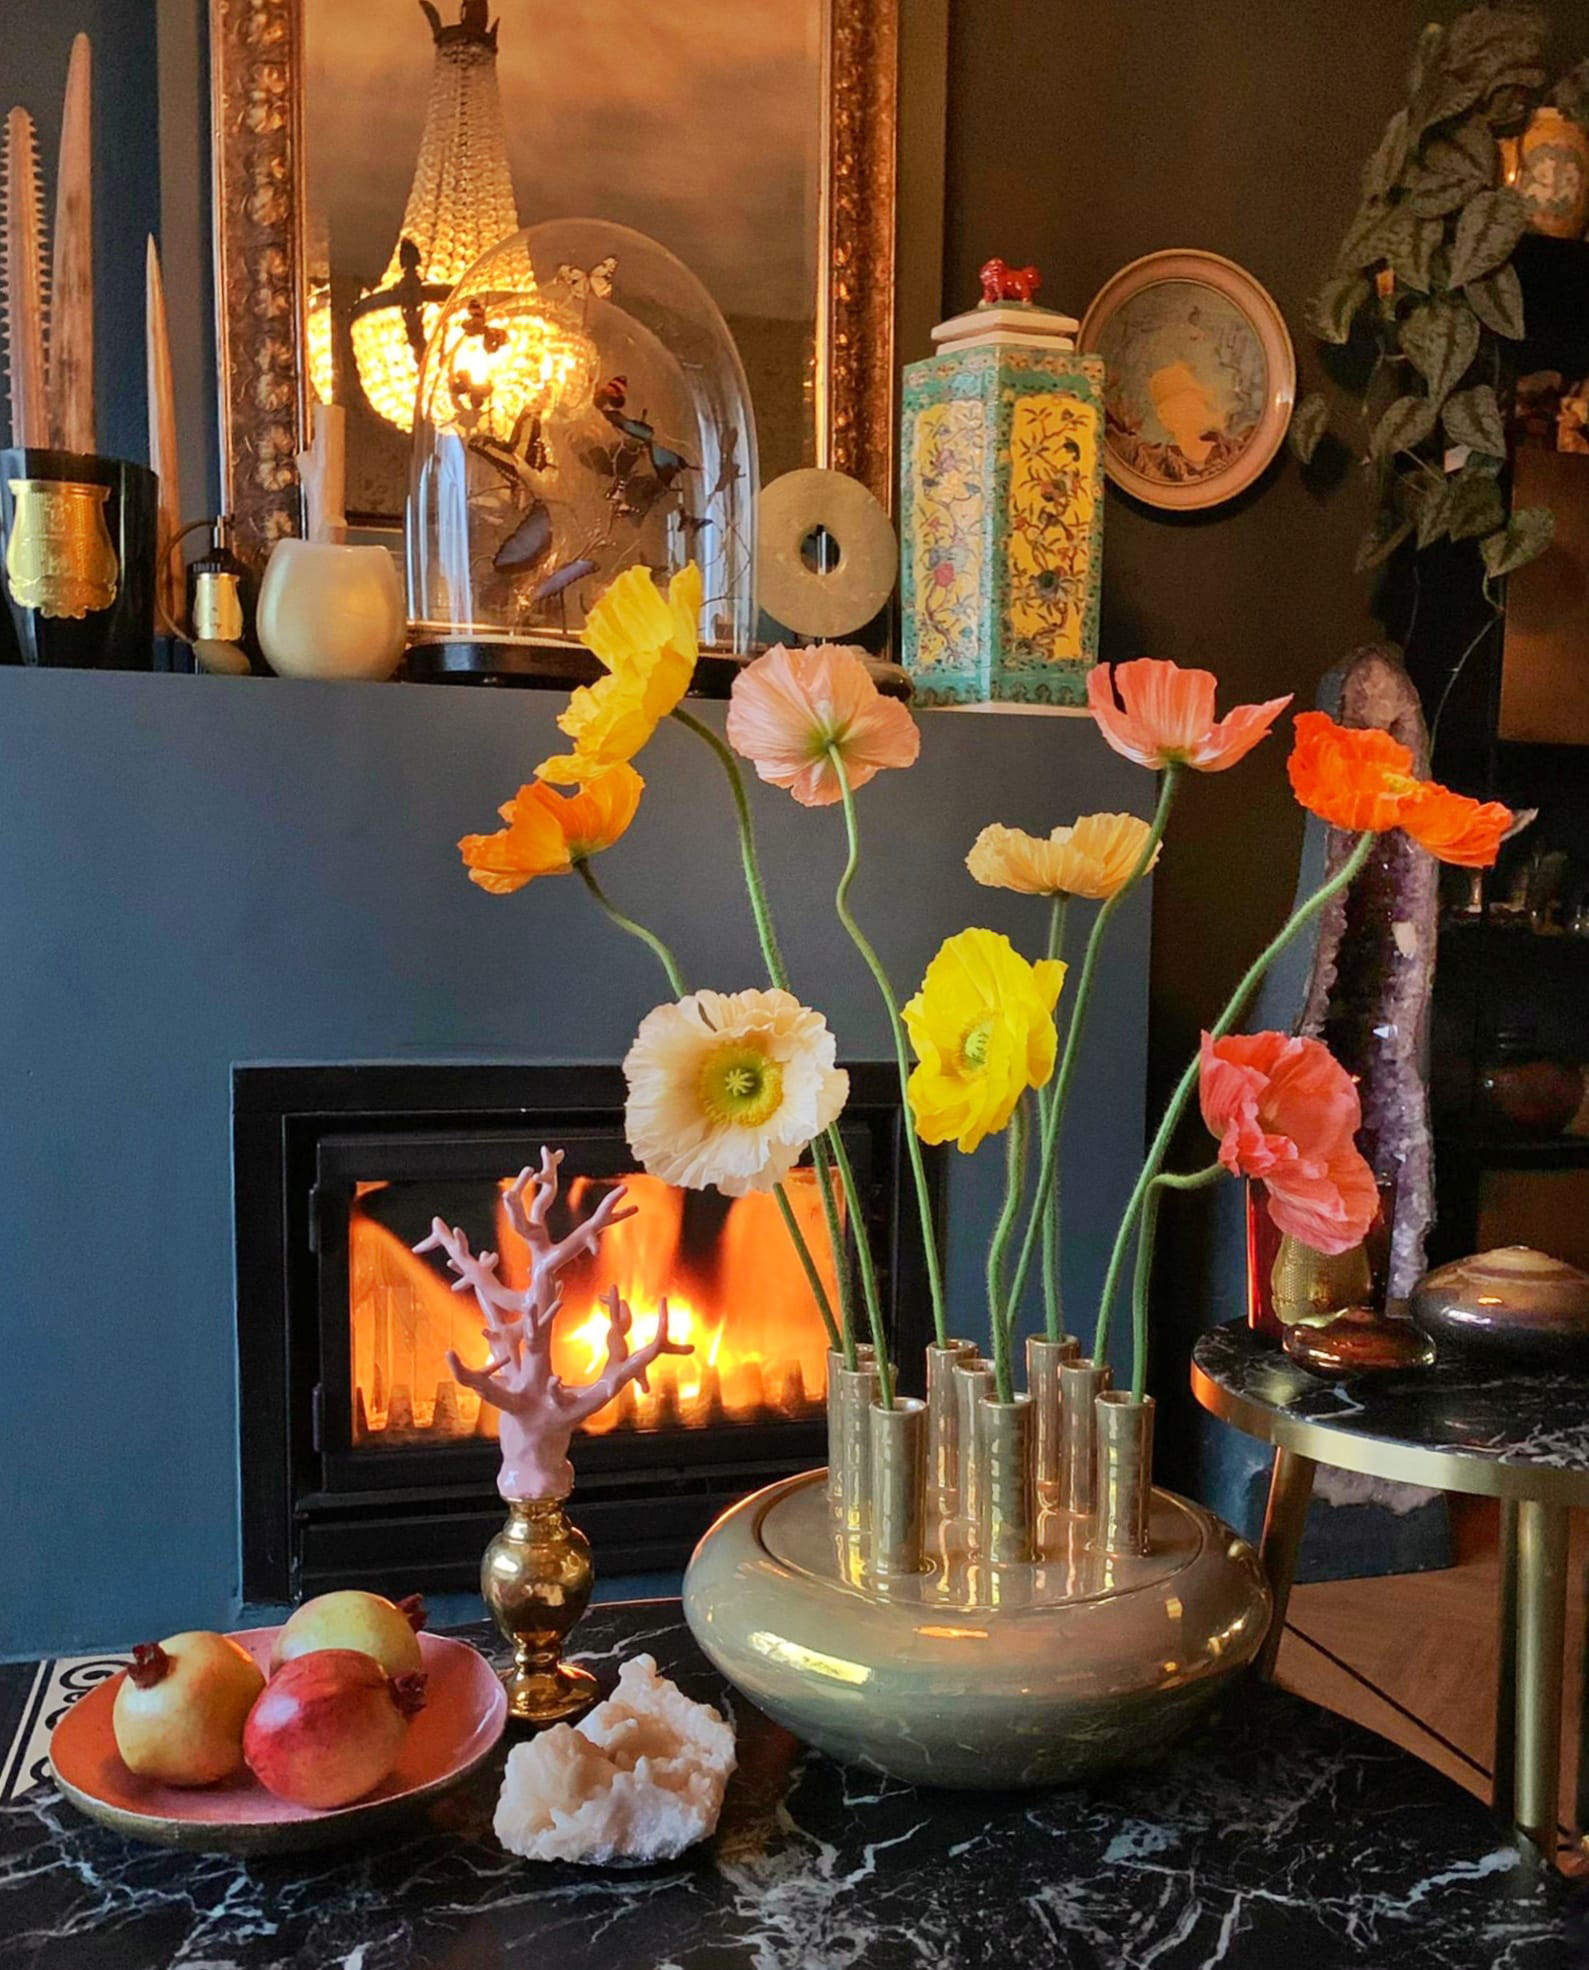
[(1503, 1789), (1541, 1632), (1290, 1488)]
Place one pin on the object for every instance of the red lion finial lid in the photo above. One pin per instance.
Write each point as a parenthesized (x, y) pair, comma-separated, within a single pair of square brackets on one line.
[(1002, 283)]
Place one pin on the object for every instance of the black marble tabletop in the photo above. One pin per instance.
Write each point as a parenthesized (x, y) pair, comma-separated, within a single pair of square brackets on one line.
[(1277, 1835), (1509, 1431)]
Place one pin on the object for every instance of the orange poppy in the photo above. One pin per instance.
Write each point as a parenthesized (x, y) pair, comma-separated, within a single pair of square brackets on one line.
[(1360, 778), (549, 833), (1454, 828)]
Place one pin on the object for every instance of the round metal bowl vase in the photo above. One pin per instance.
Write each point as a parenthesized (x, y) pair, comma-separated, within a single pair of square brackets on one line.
[(971, 1673)]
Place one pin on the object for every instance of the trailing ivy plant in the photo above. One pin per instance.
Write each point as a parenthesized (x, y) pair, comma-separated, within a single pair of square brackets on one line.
[(1426, 268)]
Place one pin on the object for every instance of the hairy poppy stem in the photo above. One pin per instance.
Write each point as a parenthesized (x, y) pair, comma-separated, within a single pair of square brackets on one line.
[(808, 1264), (649, 938), (874, 964), (1053, 1298), (1142, 1278), (999, 1245), (1235, 1006), (828, 1152), (1078, 1019)]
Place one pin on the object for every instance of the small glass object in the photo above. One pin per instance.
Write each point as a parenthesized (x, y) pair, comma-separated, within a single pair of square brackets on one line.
[(581, 410)]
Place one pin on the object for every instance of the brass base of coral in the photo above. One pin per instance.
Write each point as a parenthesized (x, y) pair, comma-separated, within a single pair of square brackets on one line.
[(536, 1578)]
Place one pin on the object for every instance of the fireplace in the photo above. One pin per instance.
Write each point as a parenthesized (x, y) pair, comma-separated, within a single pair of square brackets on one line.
[(364, 1463)]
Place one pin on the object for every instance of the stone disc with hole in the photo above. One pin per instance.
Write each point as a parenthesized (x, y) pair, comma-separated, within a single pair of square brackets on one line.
[(807, 600)]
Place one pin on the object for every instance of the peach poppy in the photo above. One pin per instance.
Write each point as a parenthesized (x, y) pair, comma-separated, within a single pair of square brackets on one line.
[(549, 833), (1286, 1114), (1094, 858), (790, 706), (1165, 716), (1360, 778)]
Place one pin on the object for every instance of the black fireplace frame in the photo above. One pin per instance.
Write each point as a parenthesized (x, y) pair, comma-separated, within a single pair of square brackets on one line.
[(644, 1498)]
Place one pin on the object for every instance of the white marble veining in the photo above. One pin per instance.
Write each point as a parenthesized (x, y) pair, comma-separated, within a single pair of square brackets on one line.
[(1277, 1837)]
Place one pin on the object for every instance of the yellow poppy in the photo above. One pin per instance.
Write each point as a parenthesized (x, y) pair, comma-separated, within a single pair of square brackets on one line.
[(649, 645), (549, 832), (982, 1026), (1094, 858)]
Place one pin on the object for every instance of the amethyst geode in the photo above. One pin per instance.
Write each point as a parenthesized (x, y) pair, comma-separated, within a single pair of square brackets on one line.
[(1373, 964)]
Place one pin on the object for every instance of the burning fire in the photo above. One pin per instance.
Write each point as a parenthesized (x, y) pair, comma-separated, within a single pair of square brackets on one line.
[(760, 1346)]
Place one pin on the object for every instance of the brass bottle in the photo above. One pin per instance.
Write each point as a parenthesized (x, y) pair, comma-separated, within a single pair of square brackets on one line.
[(536, 1578)]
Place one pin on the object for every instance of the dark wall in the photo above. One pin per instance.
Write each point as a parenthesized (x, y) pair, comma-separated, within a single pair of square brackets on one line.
[(1080, 137), (201, 871), (35, 40)]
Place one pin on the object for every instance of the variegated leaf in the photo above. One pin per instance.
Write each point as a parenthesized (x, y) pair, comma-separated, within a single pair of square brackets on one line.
[(1488, 231), (1407, 422), (1497, 299), (1440, 338), (1524, 538), (1473, 417), (1308, 423)]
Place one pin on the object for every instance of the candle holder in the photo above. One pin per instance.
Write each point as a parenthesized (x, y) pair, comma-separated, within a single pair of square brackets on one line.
[(79, 558)]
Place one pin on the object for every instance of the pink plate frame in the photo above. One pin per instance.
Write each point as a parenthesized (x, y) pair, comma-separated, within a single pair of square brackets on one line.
[(1268, 324)]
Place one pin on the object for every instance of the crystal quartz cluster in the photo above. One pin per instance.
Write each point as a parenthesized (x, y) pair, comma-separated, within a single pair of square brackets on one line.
[(640, 1779)]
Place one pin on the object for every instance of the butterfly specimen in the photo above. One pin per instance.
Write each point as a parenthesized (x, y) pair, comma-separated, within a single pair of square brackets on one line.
[(597, 282), (612, 401), (529, 543)]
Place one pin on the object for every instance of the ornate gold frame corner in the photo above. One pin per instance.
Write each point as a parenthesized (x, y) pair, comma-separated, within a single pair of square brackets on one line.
[(256, 107), (856, 420), (256, 123)]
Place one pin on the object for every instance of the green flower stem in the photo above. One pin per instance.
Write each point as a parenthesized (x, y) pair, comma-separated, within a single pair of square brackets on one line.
[(999, 1245), (807, 1263), (863, 1252), (822, 1160), (874, 964), (1053, 1300), (824, 1155), (649, 938), (1142, 1279), (1078, 1019), (1235, 1006), (755, 888), (676, 980)]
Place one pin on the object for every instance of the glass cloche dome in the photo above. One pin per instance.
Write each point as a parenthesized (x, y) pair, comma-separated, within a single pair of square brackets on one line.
[(581, 410)]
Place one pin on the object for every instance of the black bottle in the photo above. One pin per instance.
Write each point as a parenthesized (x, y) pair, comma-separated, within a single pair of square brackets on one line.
[(221, 595)]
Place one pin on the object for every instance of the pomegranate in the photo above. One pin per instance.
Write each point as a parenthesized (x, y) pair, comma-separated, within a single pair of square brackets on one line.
[(355, 1620), (329, 1727), (180, 1708)]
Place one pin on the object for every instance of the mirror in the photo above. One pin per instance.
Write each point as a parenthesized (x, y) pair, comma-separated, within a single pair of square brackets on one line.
[(555, 111), (365, 150)]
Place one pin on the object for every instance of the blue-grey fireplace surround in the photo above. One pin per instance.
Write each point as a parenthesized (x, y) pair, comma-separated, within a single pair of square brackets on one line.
[(198, 873)]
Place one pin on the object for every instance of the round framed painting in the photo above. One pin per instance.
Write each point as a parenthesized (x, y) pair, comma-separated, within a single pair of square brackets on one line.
[(1201, 377)]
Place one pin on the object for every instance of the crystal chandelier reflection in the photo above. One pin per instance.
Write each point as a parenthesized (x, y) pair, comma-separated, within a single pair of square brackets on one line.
[(460, 203)]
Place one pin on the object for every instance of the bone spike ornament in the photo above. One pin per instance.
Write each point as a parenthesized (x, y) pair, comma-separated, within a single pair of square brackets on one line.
[(71, 378), (24, 283)]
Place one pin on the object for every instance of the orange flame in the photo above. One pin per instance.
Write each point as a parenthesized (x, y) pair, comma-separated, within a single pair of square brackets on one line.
[(760, 1346)]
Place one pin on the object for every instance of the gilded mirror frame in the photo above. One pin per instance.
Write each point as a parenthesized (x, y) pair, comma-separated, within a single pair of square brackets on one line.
[(256, 133)]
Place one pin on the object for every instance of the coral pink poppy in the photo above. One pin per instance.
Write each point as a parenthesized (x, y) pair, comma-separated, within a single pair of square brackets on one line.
[(790, 706), (1286, 1113), (1165, 716)]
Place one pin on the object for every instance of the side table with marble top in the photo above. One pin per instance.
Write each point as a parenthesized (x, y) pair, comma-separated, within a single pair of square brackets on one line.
[(1519, 1436)]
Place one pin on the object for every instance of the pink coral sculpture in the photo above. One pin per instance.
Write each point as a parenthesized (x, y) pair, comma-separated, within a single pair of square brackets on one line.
[(540, 1412)]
